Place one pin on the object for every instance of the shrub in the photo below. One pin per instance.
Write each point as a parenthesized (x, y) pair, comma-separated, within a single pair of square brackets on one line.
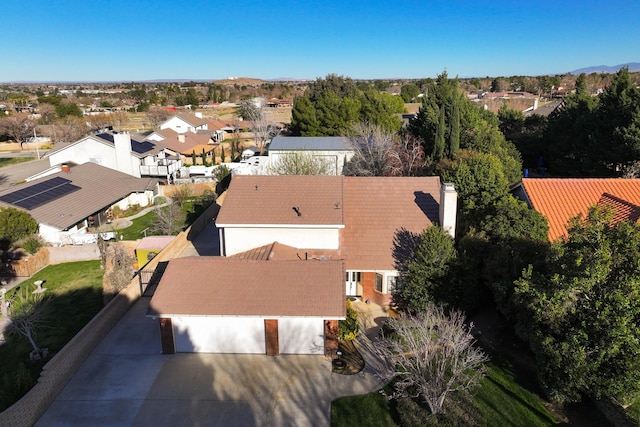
[(348, 328), (14, 384), (32, 244)]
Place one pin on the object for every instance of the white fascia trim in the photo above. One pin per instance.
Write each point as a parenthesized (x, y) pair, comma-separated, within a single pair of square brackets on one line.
[(266, 317), (307, 226)]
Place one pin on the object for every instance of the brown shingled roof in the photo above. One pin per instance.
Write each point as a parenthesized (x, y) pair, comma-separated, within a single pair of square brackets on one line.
[(279, 251), (560, 199), (290, 200), (100, 187), (376, 208), (372, 209), (219, 286)]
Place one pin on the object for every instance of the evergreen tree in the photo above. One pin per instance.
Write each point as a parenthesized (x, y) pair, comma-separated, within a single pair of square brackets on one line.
[(454, 135)]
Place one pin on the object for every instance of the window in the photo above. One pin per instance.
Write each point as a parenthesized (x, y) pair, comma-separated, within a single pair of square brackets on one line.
[(378, 282), (391, 284)]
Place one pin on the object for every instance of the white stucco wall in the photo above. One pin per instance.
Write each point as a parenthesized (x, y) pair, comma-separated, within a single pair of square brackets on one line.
[(219, 334), (180, 126), (90, 150), (336, 159), (242, 239), (301, 336), (84, 151)]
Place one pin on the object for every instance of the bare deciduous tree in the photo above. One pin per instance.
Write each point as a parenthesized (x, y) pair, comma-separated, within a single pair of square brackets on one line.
[(431, 356), (27, 315), (179, 193), (18, 127), (157, 115), (169, 220), (263, 129), (119, 269), (70, 129), (371, 145), (47, 113), (301, 163), (379, 152), (406, 158)]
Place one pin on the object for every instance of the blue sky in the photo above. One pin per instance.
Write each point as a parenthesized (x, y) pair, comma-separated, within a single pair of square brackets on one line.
[(130, 40)]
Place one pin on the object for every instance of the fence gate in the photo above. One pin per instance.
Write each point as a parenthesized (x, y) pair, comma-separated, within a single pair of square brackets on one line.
[(149, 278)]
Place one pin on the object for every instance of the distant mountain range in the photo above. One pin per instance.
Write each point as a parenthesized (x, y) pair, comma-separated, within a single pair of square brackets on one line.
[(633, 67)]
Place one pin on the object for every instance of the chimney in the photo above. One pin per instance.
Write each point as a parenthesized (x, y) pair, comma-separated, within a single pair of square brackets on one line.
[(65, 168), (448, 208), (535, 104), (181, 137), (122, 143)]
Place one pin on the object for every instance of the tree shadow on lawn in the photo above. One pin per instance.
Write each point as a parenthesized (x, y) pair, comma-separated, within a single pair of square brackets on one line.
[(509, 353)]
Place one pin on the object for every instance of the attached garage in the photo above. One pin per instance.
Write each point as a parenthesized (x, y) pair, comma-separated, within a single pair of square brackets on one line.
[(219, 335), (226, 305), (301, 336)]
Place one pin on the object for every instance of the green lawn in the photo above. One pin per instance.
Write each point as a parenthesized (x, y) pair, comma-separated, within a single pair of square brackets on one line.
[(14, 160), (634, 411), (371, 409), (75, 290), (191, 210), (500, 400)]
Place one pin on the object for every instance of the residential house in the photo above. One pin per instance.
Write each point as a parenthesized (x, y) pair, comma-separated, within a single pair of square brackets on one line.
[(68, 203), (333, 150), (186, 144), (560, 199), (294, 247), (183, 123), (355, 219), (118, 151)]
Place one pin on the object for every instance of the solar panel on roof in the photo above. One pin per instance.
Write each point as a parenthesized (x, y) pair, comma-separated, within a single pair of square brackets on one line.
[(40, 193)]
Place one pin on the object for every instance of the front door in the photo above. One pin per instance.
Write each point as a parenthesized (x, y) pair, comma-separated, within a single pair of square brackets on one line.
[(352, 283)]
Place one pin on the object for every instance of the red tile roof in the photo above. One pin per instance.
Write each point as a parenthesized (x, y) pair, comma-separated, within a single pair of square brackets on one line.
[(219, 286), (560, 199)]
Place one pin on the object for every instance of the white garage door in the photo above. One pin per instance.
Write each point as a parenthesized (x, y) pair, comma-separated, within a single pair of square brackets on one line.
[(301, 336), (219, 335)]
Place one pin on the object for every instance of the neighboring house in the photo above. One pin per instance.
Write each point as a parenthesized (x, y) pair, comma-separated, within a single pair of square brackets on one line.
[(355, 219), (66, 204), (560, 199), (118, 151), (543, 110), (226, 305), (183, 123), (331, 149), (185, 144)]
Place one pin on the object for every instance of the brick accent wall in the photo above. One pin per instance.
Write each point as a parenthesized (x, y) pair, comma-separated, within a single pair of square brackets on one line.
[(271, 338), (369, 290), (58, 371), (330, 337)]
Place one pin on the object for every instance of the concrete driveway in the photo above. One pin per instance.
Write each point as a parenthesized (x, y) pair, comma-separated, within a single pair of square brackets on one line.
[(127, 382)]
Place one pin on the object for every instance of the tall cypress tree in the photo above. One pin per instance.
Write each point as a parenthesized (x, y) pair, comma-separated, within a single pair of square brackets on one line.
[(454, 135), (438, 148)]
